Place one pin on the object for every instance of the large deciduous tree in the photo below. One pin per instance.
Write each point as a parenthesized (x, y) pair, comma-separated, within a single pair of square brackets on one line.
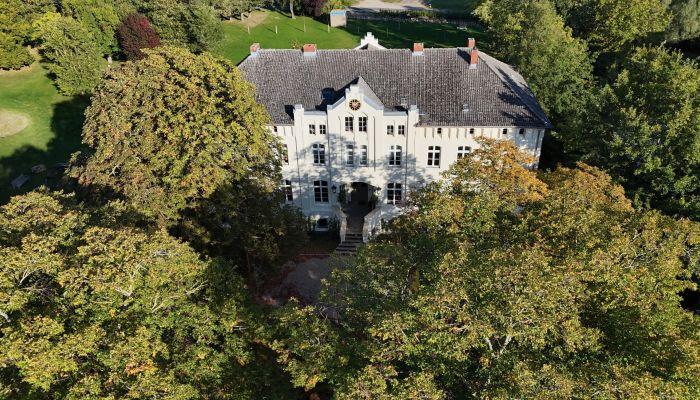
[(99, 17), (93, 308), (182, 139), (71, 53), (16, 19), (532, 37), (192, 24), (685, 20), (647, 131), (135, 34), (498, 284)]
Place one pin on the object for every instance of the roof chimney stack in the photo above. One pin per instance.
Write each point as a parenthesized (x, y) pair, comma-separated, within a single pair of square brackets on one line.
[(418, 49), (471, 43), (309, 50), (473, 58), (254, 49)]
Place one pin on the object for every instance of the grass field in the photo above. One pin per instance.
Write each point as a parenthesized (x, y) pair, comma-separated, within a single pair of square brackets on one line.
[(53, 132), (290, 34)]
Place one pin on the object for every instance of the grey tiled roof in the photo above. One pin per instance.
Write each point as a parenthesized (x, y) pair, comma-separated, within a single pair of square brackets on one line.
[(440, 83)]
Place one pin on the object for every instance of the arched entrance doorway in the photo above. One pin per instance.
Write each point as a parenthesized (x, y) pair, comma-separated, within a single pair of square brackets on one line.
[(357, 205)]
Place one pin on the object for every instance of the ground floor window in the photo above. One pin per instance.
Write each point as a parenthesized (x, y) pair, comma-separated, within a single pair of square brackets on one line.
[(287, 189), (393, 193), (321, 191), (462, 151)]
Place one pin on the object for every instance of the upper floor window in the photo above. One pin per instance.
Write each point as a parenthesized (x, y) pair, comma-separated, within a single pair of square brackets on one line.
[(285, 153), (395, 155), (287, 189), (433, 156), (362, 124), (393, 193), (319, 153), (439, 131), (274, 129), (505, 131), (363, 155), (321, 191), (521, 131), (349, 124), (462, 151), (322, 129), (402, 129), (312, 129), (471, 131), (390, 129), (349, 155)]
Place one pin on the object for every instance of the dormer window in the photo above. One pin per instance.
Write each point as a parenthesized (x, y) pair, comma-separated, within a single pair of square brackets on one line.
[(327, 94), (403, 101), (465, 107)]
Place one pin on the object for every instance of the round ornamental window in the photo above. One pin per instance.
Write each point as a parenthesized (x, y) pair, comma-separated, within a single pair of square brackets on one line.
[(355, 104)]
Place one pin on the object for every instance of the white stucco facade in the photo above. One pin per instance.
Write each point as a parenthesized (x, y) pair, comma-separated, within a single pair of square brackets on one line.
[(343, 165)]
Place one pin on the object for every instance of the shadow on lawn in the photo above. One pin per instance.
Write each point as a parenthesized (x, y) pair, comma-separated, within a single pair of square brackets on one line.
[(66, 124)]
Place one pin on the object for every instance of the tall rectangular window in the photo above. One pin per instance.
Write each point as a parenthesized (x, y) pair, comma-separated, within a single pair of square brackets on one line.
[(285, 153), (321, 191), (349, 155), (390, 129), (322, 129), (349, 124), (363, 156), (462, 151), (319, 152), (394, 155), (402, 129), (393, 193), (362, 122), (312, 129), (433, 156), (287, 189)]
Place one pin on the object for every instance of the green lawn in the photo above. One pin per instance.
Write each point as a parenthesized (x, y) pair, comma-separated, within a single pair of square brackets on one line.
[(290, 34), (52, 134)]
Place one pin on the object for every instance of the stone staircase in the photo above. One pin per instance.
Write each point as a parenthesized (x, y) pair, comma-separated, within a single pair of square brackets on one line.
[(349, 247)]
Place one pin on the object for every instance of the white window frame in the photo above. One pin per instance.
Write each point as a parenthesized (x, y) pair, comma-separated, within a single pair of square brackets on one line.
[(312, 129), (364, 156), (321, 191), (434, 153), (288, 190), (322, 129), (319, 153), (349, 155), (285, 153), (394, 193), (350, 124), (395, 155), (402, 129), (390, 129), (362, 124), (462, 151)]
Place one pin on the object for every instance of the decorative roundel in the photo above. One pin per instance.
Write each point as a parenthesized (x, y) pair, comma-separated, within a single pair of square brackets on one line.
[(355, 104)]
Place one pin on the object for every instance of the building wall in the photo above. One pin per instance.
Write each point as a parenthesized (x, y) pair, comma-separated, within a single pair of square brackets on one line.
[(413, 171)]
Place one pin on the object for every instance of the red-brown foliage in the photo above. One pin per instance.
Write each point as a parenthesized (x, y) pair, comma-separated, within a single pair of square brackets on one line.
[(136, 33)]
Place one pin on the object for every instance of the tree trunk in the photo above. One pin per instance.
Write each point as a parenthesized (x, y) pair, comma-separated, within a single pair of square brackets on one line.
[(291, 8)]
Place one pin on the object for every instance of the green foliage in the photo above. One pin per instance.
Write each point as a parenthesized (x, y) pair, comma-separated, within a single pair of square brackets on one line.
[(497, 284), (685, 20), (70, 52), (532, 37), (609, 25), (99, 17), (93, 308), (647, 134), (236, 8), (12, 54), (192, 24)]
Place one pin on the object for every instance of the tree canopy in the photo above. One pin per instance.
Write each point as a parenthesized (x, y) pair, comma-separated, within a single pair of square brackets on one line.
[(498, 284), (135, 34), (93, 307)]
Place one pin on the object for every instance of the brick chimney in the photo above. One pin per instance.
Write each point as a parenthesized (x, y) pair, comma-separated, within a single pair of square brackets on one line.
[(254, 48), (309, 50), (471, 43), (473, 58), (418, 49)]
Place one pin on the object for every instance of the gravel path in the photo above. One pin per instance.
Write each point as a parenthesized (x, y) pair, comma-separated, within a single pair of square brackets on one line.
[(405, 5)]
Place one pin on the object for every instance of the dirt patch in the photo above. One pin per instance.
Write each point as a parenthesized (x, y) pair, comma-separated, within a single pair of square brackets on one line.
[(12, 122)]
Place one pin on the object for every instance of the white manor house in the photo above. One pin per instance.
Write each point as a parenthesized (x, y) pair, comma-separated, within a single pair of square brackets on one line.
[(362, 127)]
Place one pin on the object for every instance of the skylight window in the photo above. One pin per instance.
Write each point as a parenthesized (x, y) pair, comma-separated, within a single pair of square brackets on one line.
[(327, 94)]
